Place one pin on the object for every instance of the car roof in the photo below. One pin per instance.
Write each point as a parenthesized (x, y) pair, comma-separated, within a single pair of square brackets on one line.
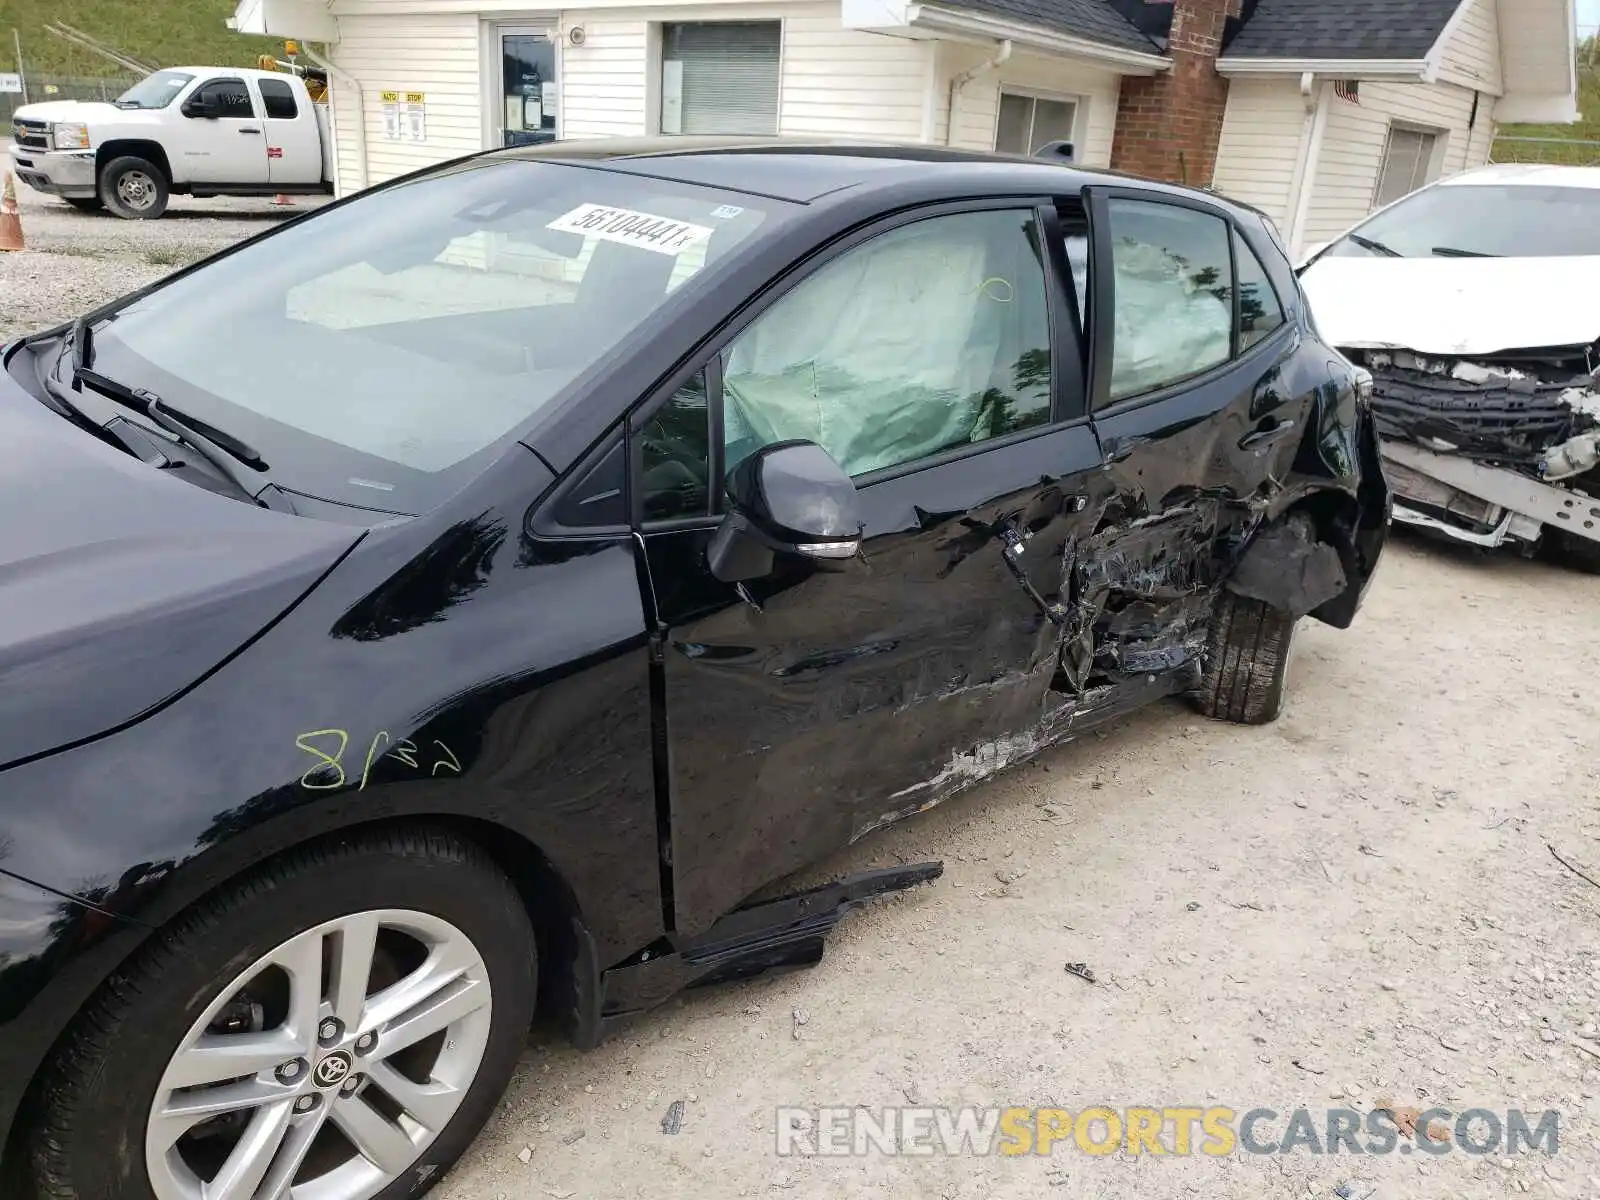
[(245, 72), (806, 171), (1526, 175)]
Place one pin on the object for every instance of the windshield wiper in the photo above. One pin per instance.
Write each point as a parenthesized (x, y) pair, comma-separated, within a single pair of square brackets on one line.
[(211, 443), (1453, 252), (1375, 247)]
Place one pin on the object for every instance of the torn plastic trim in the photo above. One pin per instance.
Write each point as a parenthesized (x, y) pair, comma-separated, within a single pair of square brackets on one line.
[(1543, 420), (1512, 528), (1288, 568)]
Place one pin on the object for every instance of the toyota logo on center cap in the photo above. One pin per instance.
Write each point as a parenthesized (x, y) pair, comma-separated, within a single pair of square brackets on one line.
[(332, 1069)]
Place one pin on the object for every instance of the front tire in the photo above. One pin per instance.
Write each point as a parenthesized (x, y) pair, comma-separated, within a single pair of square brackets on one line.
[(1246, 662), (348, 1014), (1572, 551), (134, 188)]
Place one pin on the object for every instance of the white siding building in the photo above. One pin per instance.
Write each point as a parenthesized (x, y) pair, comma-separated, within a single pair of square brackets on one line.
[(1325, 117)]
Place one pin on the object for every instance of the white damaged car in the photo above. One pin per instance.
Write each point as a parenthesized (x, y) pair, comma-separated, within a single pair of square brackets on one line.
[(1475, 304)]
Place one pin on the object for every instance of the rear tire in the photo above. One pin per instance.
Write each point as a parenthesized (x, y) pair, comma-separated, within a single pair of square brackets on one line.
[(261, 960), (134, 188), (1247, 662), (88, 204)]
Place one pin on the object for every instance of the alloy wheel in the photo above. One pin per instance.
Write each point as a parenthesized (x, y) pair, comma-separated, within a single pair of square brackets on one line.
[(328, 1066)]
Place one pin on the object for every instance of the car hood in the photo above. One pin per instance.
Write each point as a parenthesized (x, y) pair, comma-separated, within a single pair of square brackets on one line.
[(120, 586), (1454, 306), (72, 110)]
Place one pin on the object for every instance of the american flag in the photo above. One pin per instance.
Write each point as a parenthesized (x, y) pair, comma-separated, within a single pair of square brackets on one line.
[(1348, 89)]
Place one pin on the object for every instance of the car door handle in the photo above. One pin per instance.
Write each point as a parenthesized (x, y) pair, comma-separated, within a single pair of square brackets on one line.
[(249, 130), (1266, 435)]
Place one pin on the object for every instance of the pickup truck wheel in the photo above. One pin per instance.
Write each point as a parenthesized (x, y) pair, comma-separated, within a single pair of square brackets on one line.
[(1246, 663), (134, 188), (339, 1024), (87, 204)]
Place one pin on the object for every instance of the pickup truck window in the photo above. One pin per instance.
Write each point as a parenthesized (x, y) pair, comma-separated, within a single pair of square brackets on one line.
[(230, 98), (278, 97), (154, 91)]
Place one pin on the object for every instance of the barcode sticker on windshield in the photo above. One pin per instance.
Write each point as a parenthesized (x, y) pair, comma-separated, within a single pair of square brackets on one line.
[(645, 230)]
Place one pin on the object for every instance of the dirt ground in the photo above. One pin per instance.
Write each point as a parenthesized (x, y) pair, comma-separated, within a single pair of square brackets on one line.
[(1357, 903)]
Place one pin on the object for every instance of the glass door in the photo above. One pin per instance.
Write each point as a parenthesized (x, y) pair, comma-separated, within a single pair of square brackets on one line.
[(527, 87)]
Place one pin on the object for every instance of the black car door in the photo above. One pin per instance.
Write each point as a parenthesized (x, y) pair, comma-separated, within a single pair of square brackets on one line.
[(1199, 402), (936, 357), (1197, 396)]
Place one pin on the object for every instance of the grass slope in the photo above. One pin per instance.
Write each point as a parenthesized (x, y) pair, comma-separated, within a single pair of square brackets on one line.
[(166, 32), (1586, 130)]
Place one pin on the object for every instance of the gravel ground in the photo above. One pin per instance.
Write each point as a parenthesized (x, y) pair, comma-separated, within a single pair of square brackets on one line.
[(1355, 905), (74, 260)]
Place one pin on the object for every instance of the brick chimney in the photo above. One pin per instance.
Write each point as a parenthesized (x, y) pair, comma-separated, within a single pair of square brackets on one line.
[(1169, 125)]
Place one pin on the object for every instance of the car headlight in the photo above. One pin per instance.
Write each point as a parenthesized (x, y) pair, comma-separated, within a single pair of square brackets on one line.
[(72, 136)]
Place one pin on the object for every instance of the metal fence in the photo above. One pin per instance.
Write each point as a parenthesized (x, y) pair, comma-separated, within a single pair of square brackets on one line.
[(1561, 151), (64, 87)]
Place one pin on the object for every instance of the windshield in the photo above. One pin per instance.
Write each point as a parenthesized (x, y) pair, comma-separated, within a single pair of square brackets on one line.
[(155, 91), (1517, 221), (371, 351)]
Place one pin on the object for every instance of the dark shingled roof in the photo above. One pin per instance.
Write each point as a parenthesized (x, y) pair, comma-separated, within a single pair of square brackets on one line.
[(1401, 29), (1092, 20)]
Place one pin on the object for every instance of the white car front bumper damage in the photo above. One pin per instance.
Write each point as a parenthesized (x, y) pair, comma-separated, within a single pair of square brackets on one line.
[(1489, 454)]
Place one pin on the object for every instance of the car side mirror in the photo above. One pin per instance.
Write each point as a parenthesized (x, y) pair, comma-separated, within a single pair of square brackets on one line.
[(787, 498), (198, 106)]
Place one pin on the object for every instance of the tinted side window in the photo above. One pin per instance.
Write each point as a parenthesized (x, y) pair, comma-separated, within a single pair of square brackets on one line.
[(675, 455), (229, 97), (1259, 310), (929, 337), (1174, 295), (278, 97)]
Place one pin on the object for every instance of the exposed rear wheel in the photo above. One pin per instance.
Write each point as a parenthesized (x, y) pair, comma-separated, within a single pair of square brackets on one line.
[(134, 188), (342, 1023), (1246, 662)]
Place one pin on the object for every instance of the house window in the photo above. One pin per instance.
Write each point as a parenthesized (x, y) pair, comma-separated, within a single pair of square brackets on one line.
[(1407, 163), (720, 77), (1029, 122)]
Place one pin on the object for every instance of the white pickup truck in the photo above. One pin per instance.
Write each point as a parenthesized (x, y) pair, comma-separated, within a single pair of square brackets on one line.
[(201, 131)]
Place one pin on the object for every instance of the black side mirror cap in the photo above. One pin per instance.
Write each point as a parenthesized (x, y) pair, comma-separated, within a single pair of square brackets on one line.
[(787, 498)]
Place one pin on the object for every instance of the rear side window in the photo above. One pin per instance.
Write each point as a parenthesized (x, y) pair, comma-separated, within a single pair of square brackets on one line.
[(1174, 295), (229, 97), (1260, 312), (278, 97)]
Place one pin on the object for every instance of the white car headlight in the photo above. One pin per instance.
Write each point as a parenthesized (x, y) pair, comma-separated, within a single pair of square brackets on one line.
[(71, 136)]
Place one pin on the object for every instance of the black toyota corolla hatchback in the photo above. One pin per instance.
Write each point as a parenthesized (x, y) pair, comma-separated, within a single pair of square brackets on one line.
[(461, 601)]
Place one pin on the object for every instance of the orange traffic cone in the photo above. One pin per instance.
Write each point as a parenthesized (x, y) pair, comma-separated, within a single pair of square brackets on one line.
[(10, 216)]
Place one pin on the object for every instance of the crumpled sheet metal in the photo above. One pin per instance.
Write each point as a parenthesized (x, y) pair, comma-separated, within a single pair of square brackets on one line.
[(1287, 568), (1139, 600)]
